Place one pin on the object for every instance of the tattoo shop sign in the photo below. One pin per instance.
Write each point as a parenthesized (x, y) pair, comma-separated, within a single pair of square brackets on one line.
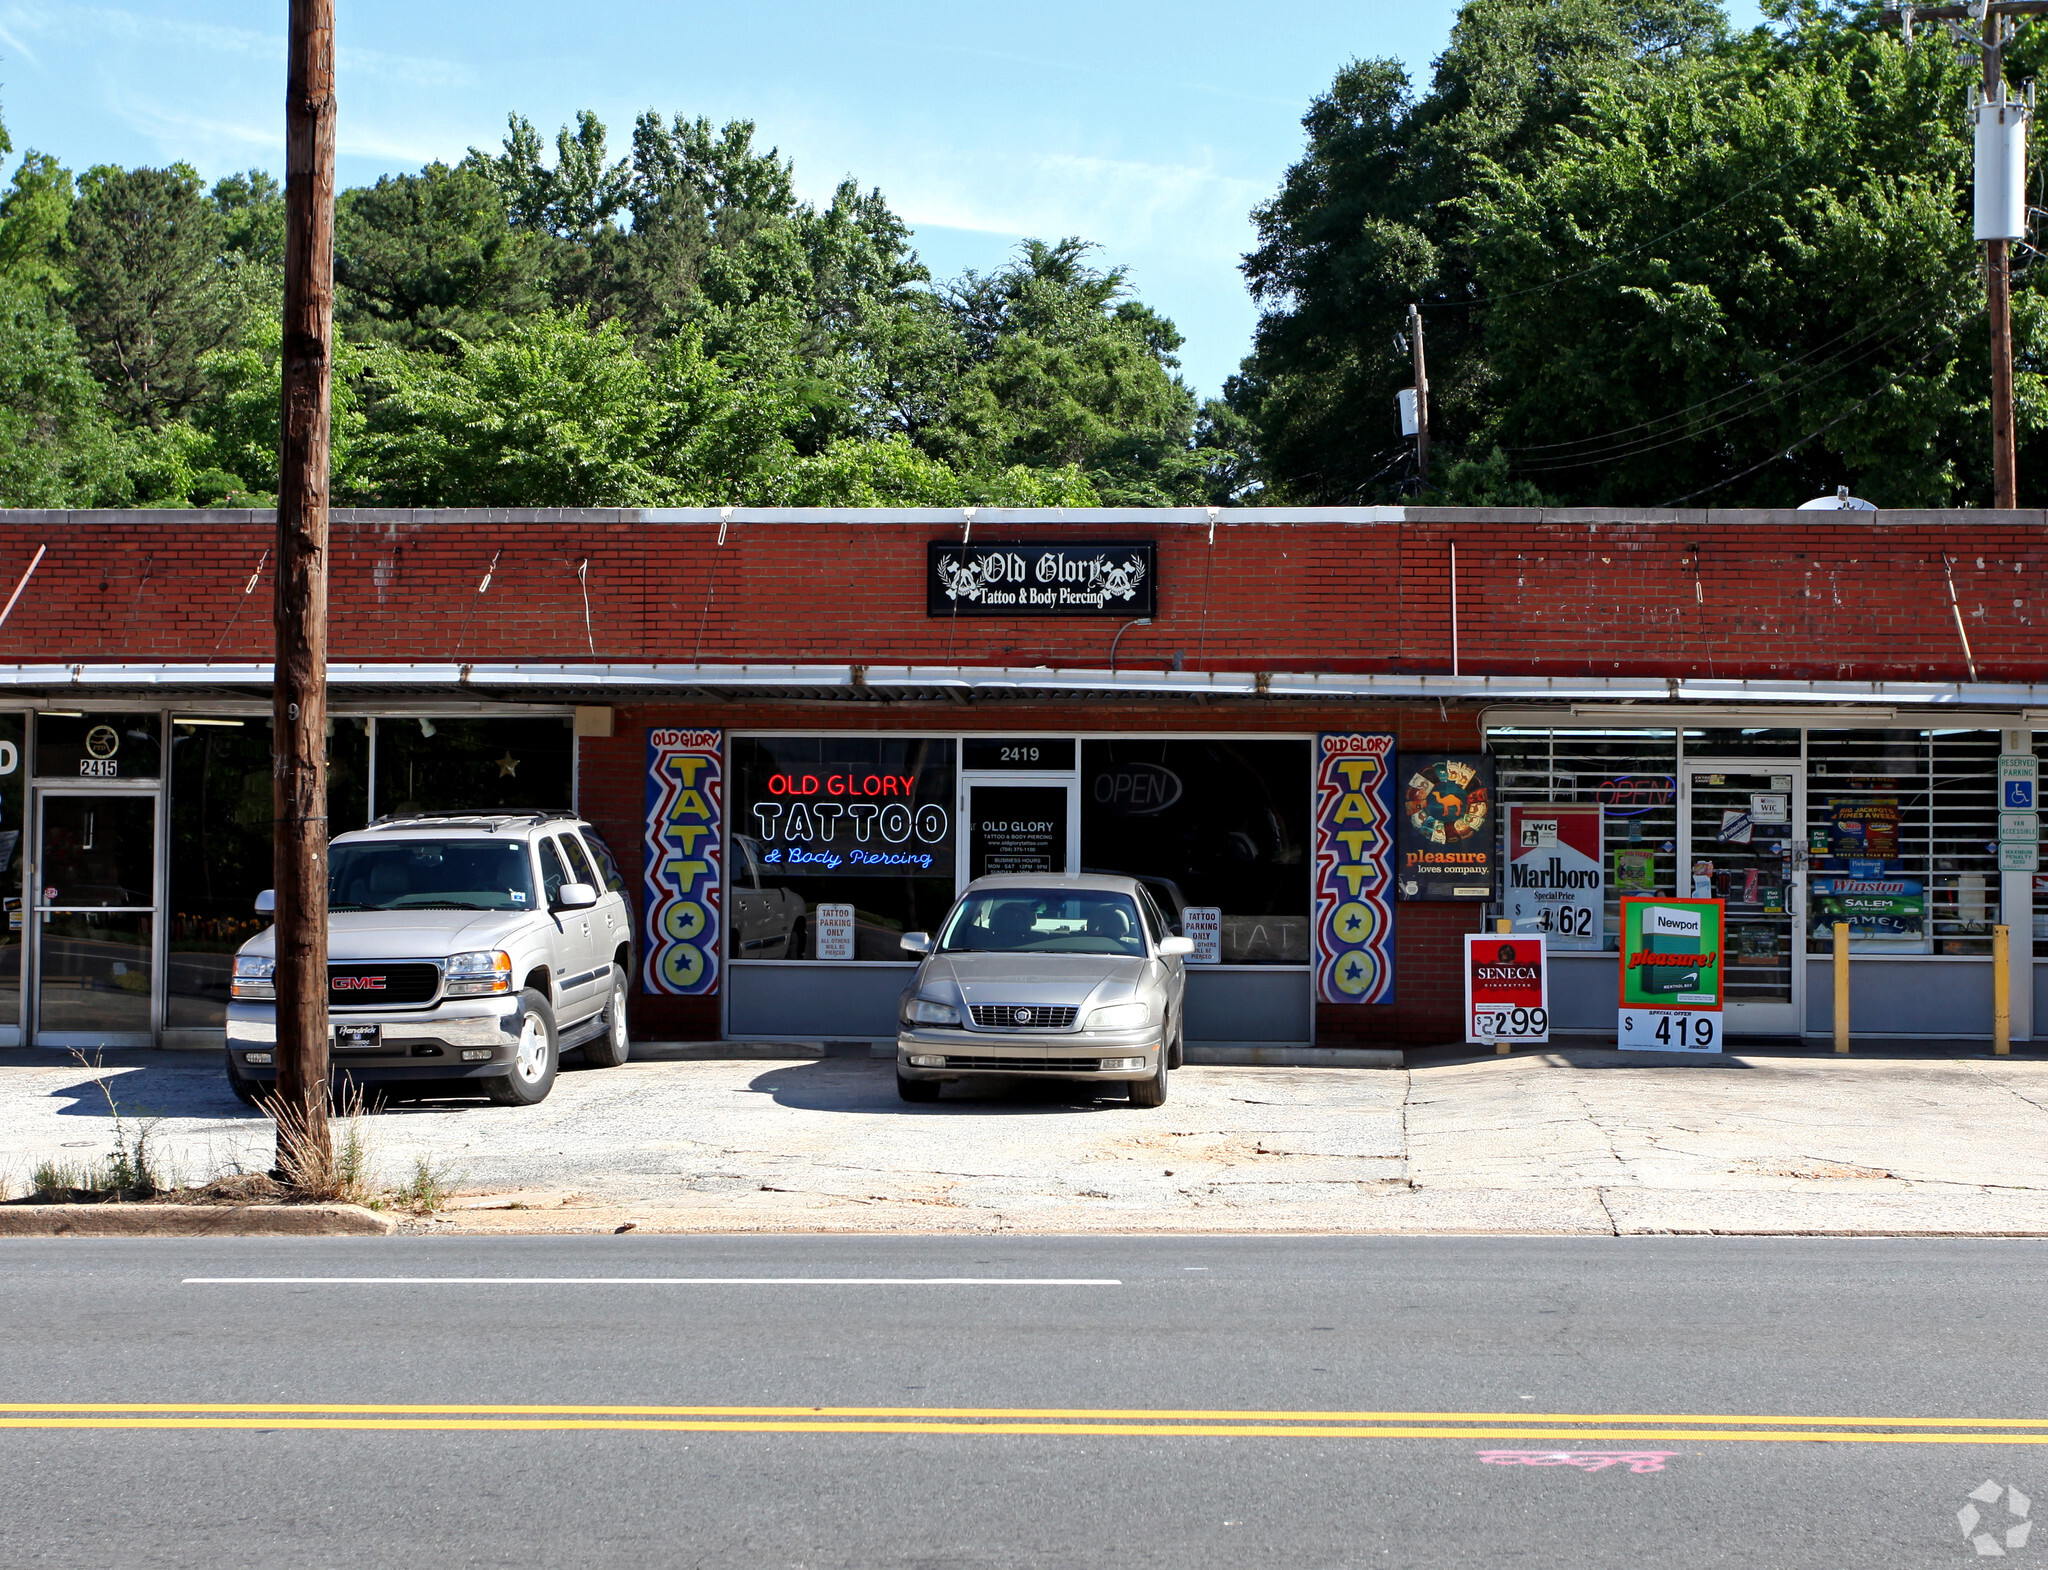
[(1013, 579)]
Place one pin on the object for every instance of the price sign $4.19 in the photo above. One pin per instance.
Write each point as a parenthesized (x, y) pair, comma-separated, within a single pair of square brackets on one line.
[(1510, 1024), (1669, 1030)]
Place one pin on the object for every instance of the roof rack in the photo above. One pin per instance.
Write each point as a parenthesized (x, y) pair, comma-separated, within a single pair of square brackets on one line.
[(486, 819)]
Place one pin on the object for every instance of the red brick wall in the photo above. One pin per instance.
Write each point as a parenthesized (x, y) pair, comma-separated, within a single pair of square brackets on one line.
[(1428, 991), (1736, 594)]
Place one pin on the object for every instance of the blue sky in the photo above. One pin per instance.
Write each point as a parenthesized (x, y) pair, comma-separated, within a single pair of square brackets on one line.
[(1151, 129)]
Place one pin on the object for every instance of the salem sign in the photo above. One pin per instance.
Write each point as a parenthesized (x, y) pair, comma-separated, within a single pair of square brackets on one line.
[(1014, 579)]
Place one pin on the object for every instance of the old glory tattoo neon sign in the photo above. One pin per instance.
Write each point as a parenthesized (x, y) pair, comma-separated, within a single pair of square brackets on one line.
[(851, 822), (1010, 578)]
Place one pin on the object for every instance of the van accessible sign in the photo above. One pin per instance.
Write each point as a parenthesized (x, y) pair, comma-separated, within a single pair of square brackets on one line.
[(1010, 578)]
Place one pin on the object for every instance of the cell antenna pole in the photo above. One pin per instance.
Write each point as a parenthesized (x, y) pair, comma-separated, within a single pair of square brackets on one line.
[(1421, 395), (1998, 285), (299, 719)]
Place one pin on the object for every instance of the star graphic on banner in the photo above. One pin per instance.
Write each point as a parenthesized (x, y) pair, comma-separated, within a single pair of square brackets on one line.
[(1352, 971), (1351, 925), (508, 766)]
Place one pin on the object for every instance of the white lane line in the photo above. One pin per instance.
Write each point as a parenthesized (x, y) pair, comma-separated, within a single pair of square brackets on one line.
[(650, 1281)]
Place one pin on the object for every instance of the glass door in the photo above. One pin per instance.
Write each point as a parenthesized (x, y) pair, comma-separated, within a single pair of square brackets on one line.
[(1740, 824), (94, 901), (1020, 825)]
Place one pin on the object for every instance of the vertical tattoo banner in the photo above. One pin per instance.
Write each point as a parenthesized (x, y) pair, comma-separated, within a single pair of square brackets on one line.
[(1354, 868), (685, 830)]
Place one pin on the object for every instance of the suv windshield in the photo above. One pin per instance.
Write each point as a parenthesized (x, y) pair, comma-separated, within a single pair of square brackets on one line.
[(459, 874), (1045, 921)]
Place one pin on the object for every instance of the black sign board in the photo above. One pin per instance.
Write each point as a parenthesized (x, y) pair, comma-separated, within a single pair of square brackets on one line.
[(1447, 826), (1017, 828), (1018, 754), (1013, 579)]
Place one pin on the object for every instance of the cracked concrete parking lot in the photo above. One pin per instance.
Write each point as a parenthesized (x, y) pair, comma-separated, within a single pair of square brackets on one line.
[(1557, 1141)]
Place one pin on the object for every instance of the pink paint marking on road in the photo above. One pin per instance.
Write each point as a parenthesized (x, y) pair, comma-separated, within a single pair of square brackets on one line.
[(1584, 1460)]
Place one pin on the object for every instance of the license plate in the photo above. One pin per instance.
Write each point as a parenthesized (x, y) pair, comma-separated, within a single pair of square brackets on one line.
[(357, 1037)]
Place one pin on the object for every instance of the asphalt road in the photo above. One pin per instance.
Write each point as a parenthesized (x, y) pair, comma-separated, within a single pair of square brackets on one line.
[(1287, 1401)]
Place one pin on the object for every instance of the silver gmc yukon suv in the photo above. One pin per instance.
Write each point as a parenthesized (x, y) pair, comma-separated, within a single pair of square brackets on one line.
[(475, 947)]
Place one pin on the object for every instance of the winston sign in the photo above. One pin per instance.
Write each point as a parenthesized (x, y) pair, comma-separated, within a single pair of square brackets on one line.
[(1008, 579)]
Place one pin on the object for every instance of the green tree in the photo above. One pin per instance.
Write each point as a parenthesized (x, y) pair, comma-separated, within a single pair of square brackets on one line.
[(56, 447), (148, 293), (34, 217), (425, 259), (1375, 216)]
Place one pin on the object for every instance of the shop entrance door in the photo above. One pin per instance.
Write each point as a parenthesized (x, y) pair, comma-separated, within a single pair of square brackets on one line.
[(94, 901), (1021, 824), (1740, 826)]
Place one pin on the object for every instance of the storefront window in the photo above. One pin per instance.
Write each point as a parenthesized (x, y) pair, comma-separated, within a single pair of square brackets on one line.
[(436, 763), (220, 851), (1218, 823), (98, 746), (1631, 775), (826, 820), (1902, 840)]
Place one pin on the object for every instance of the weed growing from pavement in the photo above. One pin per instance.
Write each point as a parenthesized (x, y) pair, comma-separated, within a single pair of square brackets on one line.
[(343, 1169), (134, 1171), (431, 1187)]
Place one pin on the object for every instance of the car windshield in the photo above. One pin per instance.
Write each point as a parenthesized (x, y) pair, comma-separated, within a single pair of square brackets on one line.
[(1045, 921), (459, 874)]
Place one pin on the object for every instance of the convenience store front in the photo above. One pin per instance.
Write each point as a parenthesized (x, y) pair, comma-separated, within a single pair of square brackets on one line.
[(1887, 821)]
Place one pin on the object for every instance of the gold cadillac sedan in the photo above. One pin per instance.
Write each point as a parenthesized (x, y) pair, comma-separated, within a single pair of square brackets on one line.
[(1076, 977)]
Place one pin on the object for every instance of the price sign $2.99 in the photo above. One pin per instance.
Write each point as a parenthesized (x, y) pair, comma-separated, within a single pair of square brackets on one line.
[(1510, 1024)]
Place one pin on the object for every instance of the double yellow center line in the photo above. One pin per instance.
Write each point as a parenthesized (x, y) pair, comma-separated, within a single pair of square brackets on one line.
[(1569, 1427)]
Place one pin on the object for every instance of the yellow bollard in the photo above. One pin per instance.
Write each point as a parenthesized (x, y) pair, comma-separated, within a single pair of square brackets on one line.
[(1502, 925), (1842, 986), (2001, 990)]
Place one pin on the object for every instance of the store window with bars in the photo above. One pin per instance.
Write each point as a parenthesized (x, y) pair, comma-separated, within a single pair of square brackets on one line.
[(1632, 775), (1902, 840)]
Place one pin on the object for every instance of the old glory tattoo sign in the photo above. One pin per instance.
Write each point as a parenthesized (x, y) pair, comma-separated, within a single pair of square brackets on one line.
[(1015, 579)]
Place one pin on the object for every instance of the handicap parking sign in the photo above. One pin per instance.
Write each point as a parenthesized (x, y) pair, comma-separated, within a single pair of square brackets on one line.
[(2019, 779)]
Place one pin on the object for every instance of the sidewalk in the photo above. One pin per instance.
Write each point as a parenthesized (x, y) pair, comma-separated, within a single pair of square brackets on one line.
[(1576, 1141)]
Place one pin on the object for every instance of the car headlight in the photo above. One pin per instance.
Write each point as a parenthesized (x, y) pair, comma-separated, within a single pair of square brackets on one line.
[(923, 1011), (1120, 1016), (255, 978), (479, 973)]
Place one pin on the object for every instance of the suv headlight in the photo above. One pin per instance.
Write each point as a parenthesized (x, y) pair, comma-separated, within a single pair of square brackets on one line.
[(1120, 1016), (923, 1011), (255, 978), (478, 973)]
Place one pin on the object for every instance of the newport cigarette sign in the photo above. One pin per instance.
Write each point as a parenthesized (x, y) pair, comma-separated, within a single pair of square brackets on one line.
[(1671, 974)]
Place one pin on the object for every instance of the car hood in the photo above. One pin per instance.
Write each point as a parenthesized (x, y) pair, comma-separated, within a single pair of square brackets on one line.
[(407, 934), (1078, 979)]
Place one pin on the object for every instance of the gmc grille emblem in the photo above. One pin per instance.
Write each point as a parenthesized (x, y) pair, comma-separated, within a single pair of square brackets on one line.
[(357, 984)]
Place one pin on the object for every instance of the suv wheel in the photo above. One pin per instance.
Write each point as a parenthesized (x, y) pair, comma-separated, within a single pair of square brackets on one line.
[(534, 1061), (614, 1046), (1151, 1092)]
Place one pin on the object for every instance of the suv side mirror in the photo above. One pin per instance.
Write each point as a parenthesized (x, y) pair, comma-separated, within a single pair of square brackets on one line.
[(1169, 947), (266, 903), (916, 942), (575, 896)]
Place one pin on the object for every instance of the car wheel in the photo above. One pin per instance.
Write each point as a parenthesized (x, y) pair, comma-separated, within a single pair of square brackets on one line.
[(917, 1089), (797, 944), (535, 1060), (1180, 1041), (1151, 1092), (247, 1091), (614, 1046)]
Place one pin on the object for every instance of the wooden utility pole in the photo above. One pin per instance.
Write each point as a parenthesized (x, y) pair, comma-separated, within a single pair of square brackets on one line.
[(299, 718), (2005, 486), (1421, 396), (1998, 20)]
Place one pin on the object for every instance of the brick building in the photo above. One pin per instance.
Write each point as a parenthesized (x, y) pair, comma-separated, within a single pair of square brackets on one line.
[(801, 731)]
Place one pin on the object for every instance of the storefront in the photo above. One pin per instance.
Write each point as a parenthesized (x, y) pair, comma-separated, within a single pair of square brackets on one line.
[(1328, 749)]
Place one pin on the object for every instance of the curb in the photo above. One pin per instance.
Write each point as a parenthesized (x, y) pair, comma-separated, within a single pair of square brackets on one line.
[(117, 1220), (1293, 1057)]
